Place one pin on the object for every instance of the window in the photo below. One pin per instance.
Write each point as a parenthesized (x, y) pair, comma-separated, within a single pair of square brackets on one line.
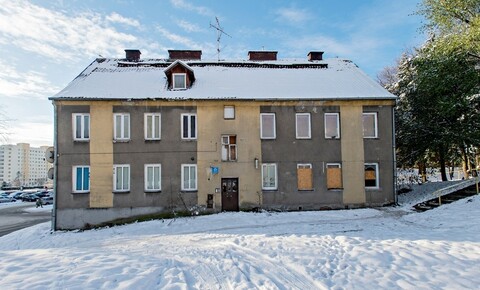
[(122, 126), (81, 179), (229, 148), (269, 176), (153, 177), (332, 128), (81, 127), (370, 125), (267, 126), (189, 126), (189, 177), (371, 175), (152, 126), (121, 178), (303, 126), (304, 177), (334, 176), (229, 112), (179, 81)]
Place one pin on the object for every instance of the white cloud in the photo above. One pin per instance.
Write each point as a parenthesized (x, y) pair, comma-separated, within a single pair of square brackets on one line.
[(189, 27), (37, 134), (182, 4), (292, 15), (175, 38), (59, 36), (117, 18), (24, 84)]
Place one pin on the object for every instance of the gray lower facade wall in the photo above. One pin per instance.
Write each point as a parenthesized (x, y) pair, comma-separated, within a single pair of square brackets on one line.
[(82, 218)]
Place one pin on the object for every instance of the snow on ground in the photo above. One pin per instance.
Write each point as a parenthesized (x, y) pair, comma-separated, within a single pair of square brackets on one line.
[(387, 248)]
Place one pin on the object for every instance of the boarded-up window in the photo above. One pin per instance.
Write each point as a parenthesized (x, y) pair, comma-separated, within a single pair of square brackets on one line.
[(304, 177), (334, 176), (371, 175)]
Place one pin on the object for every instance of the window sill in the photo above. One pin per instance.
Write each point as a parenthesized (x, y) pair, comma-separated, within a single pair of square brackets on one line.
[(332, 138), (188, 191), (121, 140), (81, 140), (372, 188), (80, 192), (126, 191), (153, 191), (269, 190), (152, 140), (335, 189)]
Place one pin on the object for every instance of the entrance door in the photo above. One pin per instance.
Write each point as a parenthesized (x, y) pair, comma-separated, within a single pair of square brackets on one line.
[(229, 194)]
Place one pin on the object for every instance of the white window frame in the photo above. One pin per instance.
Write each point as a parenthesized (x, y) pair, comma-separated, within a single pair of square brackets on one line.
[(227, 147), (375, 122), (304, 165), (189, 187), (174, 83), (309, 125), (122, 135), (229, 112), (154, 130), (82, 116), (189, 133), (74, 179), (274, 126), (264, 167), (116, 169), (338, 125), (377, 178), (157, 186)]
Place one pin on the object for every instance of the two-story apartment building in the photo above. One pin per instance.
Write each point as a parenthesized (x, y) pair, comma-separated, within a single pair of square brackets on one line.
[(140, 136)]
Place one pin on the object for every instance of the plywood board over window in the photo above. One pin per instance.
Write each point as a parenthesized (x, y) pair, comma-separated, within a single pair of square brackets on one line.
[(304, 177), (334, 176)]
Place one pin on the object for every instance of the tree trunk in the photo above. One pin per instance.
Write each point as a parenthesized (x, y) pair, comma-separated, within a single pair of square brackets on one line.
[(422, 170), (442, 161), (464, 162)]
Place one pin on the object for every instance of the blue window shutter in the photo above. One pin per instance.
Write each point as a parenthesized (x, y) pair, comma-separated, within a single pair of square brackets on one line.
[(86, 178)]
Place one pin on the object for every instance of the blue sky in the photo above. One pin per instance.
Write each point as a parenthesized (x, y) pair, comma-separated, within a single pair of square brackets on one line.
[(45, 44)]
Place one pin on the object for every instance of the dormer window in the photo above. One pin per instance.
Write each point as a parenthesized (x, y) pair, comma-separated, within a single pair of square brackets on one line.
[(179, 81), (180, 76)]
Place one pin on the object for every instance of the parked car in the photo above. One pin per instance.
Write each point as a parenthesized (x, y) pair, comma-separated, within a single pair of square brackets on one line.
[(47, 200), (30, 197), (16, 194), (4, 199)]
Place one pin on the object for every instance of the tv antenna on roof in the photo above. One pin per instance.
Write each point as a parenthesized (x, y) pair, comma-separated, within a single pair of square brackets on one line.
[(219, 35)]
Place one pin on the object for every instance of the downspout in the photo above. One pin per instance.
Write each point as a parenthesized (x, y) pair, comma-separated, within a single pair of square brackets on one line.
[(394, 157), (55, 167)]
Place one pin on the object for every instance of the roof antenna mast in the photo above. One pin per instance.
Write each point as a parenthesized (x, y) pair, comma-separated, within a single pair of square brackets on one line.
[(219, 35)]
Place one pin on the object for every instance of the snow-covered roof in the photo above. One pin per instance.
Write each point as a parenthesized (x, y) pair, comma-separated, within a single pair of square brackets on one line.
[(330, 79)]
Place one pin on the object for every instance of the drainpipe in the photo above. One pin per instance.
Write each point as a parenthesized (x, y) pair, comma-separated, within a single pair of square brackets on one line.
[(394, 157), (55, 167)]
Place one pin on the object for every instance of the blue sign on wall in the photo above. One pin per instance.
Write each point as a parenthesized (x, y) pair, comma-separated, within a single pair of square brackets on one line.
[(214, 170)]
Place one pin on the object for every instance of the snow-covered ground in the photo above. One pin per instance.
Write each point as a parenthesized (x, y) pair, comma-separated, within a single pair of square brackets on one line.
[(387, 248)]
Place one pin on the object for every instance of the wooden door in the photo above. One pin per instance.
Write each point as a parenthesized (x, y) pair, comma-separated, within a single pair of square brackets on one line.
[(229, 194)]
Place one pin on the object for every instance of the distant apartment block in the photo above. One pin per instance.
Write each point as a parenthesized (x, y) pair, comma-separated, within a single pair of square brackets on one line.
[(22, 165)]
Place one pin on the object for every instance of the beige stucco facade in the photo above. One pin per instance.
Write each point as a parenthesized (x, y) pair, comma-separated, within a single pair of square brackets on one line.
[(101, 155), (245, 126), (352, 154)]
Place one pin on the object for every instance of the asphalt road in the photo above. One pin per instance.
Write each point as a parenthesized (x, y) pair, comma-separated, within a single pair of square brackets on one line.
[(14, 218)]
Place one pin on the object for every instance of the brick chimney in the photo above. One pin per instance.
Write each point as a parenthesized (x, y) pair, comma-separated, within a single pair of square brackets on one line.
[(262, 55), (174, 54), (132, 54), (315, 55)]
